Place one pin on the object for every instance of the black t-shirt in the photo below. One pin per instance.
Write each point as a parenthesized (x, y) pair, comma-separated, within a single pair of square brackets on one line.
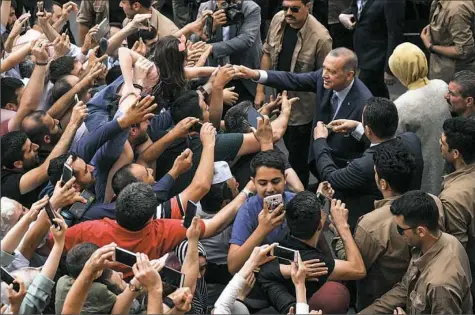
[(288, 47), (11, 188), (116, 13), (226, 148)]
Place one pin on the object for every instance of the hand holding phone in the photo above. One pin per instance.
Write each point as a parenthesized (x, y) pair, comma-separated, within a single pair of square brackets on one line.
[(125, 257), (172, 277), (189, 214), (51, 216), (285, 253), (273, 202), (9, 279)]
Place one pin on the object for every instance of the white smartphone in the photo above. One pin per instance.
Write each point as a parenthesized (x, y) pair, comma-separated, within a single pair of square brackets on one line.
[(273, 201)]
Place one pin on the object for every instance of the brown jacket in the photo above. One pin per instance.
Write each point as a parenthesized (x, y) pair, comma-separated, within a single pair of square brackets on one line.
[(452, 24), (161, 23), (92, 12), (385, 253), (313, 45), (437, 282)]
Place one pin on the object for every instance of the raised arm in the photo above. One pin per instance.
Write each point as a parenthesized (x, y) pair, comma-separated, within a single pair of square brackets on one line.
[(190, 267), (134, 26), (16, 57), (353, 268), (5, 14), (223, 77)]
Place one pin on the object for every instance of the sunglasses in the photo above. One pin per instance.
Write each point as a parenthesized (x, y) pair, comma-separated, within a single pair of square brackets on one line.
[(293, 9), (400, 230)]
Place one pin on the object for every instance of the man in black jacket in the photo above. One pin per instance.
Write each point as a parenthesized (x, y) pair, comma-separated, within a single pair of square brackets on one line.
[(379, 28), (355, 183)]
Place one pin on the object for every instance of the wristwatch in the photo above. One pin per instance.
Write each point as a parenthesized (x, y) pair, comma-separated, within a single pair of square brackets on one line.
[(168, 302), (134, 288), (247, 192)]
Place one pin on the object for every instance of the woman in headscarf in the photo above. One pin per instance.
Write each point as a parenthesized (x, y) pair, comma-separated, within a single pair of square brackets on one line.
[(422, 109)]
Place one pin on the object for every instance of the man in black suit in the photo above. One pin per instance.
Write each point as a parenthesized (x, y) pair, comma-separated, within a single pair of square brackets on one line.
[(340, 95), (355, 184), (379, 28)]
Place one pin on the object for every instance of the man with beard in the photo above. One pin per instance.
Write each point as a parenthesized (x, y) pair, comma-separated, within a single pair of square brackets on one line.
[(22, 173), (461, 94), (8, 17)]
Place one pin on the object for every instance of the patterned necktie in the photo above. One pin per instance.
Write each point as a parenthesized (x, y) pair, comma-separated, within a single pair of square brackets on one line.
[(334, 102), (360, 4)]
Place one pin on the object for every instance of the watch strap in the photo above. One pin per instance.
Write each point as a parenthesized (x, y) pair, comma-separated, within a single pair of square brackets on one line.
[(168, 302)]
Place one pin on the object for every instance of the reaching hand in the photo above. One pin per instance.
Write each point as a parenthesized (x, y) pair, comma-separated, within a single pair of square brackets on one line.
[(348, 21), (247, 73), (219, 19), (320, 131), (140, 47), (65, 195), (325, 188), (315, 269), (16, 298), (183, 162), (138, 21), (95, 69), (270, 220), (68, 8), (89, 40), (229, 96), (343, 125), (250, 281), (145, 273), (260, 255), (40, 52), (273, 105), (260, 98), (204, 56), (140, 111), (79, 114), (208, 135), (19, 24), (425, 36), (194, 51), (263, 134), (286, 103), (61, 46), (59, 234), (224, 76), (182, 129), (298, 272), (182, 299), (141, 70), (35, 209), (339, 214), (193, 233)]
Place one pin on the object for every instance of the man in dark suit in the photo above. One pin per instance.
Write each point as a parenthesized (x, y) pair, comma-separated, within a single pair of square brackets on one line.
[(379, 28), (340, 95), (355, 184)]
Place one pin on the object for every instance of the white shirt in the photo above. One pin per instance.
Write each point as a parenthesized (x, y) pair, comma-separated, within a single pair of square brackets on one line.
[(341, 96)]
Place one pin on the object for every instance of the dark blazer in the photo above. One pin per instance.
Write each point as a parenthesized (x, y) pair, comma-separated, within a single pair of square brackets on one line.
[(379, 29), (355, 184), (344, 148)]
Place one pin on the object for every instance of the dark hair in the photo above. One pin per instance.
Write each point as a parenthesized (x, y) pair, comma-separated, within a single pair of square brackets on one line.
[(113, 74), (78, 256), (26, 67), (351, 60), (144, 34), (380, 114), (9, 88), (465, 79), (56, 165), (37, 129), (145, 3), (270, 158), (60, 88), (396, 165), (12, 147), (460, 135), (303, 215), (417, 208), (60, 67), (213, 200), (235, 120), (187, 105), (170, 61), (122, 178), (135, 206)]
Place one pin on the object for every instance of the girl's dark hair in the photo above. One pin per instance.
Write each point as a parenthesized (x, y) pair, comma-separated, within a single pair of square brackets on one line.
[(170, 64)]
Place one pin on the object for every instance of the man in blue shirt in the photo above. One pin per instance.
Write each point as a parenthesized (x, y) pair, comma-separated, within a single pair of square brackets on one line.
[(255, 224)]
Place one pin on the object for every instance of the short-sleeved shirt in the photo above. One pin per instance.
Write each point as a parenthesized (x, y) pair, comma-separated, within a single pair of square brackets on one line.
[(247, 221), (226, 149), (156, 239), (99, 299), (11, 187)]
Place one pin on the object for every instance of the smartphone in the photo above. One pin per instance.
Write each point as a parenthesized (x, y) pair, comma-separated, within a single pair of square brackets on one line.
[(103, 29), (252, 115), (67, 173), (51, 216), (172, 277), (79, 208), (273, 201), (189, 214), (285, 253), (196, 127), (208, 29), (125, 257), (8, 279)]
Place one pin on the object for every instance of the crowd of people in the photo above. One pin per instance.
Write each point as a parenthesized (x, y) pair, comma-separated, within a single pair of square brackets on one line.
[(215, 162)]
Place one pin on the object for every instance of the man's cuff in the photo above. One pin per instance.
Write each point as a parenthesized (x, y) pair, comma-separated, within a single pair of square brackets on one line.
[(358, 132), (302, 308), (262, 77)]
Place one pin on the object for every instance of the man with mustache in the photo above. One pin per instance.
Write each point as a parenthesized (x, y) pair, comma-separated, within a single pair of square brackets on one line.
[(461, 94), (296, 42)]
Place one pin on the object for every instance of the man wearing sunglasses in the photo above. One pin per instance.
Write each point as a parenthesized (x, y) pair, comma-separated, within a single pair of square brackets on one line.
[(384, 250), (438, 278), (296, 42)]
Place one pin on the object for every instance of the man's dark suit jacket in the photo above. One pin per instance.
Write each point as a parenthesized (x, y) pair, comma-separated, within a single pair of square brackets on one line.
[(355, 184), (379, 29), (344, 148)]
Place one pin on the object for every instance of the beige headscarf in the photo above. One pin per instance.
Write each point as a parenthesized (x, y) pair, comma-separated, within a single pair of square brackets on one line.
[(409, 64)]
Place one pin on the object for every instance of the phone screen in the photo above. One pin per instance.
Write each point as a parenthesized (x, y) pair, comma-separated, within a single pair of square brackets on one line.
[(285, 253), (252, 115), (189, 214), (67, 173), (79, 208), (8, 279), (51, 215), (125, 257), (172, 277)]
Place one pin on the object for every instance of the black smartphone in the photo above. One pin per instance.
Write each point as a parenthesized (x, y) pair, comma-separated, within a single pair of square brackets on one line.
[(196, 127), (67, 173), (285, 253), (189, 214), (79, 208), (125, 257), (8, 279), (252, 115), (51, 216), (102, 50), (172, 277)]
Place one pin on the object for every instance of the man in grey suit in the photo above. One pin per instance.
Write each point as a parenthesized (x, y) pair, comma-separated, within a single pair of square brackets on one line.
[(238, 44)]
